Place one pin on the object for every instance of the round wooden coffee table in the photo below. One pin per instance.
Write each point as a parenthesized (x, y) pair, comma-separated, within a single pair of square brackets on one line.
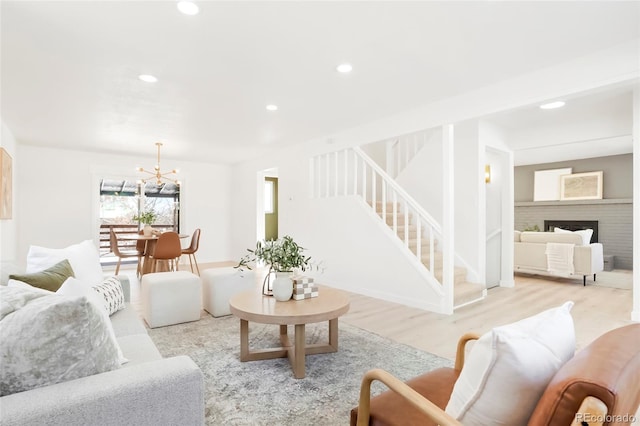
[(252, 306)]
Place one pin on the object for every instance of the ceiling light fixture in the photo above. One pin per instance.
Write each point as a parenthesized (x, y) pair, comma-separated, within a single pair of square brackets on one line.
[(552, 105), (344, 68), (272, 107), (188, 7), (157, 174), (148, 78)]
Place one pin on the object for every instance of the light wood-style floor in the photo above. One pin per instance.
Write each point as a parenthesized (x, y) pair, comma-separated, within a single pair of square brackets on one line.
[(596, 310)]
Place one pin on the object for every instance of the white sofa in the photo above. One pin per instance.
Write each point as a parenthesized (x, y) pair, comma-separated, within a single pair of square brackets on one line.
[(530, 253), (148, 390)]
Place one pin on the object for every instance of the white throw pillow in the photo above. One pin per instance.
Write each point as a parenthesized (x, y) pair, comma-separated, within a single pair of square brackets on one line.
[(584, 233), (22, 284), (508, 369), (73, 287), (112, 294), (47, 339), (83, 257)]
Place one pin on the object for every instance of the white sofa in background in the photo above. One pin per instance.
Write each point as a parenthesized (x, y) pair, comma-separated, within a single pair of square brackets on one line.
[(530, 253)]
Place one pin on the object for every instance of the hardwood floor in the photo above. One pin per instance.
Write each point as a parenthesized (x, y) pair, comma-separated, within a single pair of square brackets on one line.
[(597, 309)]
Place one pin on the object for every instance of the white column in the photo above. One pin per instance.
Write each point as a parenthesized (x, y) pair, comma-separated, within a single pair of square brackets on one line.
[(448, 212), (635, 313)]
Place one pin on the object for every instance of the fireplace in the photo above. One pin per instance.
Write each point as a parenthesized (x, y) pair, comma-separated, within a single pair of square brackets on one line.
[(573, 225)]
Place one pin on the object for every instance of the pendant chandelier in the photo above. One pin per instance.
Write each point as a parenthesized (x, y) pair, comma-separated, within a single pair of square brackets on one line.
[(157, 174)]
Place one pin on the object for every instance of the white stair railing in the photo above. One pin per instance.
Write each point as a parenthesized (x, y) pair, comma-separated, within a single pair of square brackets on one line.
[(402, 149), (352, 172)]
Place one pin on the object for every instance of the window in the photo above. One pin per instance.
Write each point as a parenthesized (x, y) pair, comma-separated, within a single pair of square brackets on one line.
[(121, 200), (268, 197)]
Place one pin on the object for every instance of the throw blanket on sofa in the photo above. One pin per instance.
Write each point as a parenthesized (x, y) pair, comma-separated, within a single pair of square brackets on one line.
[(560, 258)]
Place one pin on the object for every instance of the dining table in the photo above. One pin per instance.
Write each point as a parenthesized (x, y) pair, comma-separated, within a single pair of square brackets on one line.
[(150, 244)]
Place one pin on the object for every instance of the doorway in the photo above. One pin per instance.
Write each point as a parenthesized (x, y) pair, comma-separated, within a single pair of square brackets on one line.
[(497, 208), (270, 208)]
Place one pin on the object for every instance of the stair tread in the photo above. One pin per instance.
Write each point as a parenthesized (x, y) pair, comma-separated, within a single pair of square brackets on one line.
[(464, 291)]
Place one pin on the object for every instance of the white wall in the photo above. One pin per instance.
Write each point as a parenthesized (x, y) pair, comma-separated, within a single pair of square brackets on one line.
[(378, 152), (368, 260), (468, 218), (9, 227), (422, 178), (59, 199)]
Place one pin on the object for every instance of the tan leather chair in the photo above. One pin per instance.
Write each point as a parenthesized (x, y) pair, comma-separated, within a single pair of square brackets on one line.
[(193, 248), (123, 254), (167, 249), (601, 380)]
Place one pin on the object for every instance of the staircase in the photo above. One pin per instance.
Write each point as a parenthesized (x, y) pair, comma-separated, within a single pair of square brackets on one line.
[(351, 172), (464, 292)]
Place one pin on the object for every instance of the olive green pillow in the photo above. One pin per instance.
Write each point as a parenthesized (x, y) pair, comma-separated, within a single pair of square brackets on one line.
[(50, 279)]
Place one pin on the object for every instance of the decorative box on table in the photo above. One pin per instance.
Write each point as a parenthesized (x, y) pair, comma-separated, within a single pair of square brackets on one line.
[(304, 288)]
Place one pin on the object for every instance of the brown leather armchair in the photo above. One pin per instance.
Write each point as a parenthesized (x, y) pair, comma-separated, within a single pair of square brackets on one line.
[(598, 386)]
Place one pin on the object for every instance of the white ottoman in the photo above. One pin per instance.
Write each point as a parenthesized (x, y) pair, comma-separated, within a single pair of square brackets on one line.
[(220, 284), (170, 298)]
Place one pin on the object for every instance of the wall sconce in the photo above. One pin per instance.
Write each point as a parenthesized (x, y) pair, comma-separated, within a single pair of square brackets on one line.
[(487, 174)]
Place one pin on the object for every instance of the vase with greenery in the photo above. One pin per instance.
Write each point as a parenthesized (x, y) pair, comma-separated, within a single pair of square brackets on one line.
[(283, 255), (147, 218)]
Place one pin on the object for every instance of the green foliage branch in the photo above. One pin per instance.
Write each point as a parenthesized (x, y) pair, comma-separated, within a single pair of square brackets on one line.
[(147, 217), (281, 255)]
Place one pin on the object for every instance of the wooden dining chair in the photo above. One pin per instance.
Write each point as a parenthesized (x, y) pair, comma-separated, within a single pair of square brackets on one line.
[(123, 254), (141, 245), (193, 248), (167, 249)]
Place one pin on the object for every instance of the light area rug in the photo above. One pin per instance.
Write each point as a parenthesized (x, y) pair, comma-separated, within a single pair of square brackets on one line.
[(265, 392)]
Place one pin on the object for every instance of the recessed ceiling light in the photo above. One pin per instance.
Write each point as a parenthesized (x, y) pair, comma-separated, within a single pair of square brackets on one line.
[(188, 7), (148, 78), (344, 68), (272, 107), (552, 105)]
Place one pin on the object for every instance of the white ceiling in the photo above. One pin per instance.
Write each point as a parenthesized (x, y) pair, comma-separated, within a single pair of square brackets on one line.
[(594, 124), (69, 68)]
